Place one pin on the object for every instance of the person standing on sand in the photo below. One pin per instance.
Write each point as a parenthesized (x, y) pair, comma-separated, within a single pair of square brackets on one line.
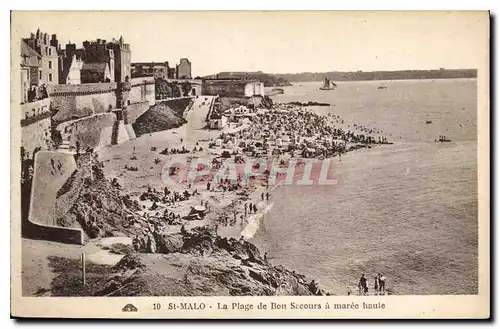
[(267, 196), (246, 210), (262, 196), (376, 284), (254, 208), (208, 186), (250, 208)]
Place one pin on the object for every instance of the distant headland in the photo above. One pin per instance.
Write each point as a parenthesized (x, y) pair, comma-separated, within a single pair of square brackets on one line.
[(380, 75), (285, 79), (269, 80)]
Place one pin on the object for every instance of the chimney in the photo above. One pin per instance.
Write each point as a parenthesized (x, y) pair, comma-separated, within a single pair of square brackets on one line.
[(53, 41)]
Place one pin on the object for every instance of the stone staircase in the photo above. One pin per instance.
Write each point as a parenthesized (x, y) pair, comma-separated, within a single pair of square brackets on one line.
[(64, 147), (119, 133), (114, 133)]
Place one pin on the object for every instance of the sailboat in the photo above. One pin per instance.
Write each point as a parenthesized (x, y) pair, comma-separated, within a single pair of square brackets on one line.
[(328, 85), (442, 139)]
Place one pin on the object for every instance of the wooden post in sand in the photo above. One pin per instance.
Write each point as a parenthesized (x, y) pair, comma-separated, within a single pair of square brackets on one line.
[(83, 268)]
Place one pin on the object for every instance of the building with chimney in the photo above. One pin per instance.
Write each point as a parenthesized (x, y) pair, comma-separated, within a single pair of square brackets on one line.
[(70, 64), (123, 59), (151, 69), (183, 69), (46, 47), (31, 64), (98, 61)]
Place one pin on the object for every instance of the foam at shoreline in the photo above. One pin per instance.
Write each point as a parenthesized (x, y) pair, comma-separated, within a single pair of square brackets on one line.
[(254, 221)]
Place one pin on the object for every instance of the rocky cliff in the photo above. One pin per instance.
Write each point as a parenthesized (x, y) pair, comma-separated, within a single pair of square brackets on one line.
[(202, 264)]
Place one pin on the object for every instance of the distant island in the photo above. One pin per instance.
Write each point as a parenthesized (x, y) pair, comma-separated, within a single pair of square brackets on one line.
[(269, 80), (379, 75)]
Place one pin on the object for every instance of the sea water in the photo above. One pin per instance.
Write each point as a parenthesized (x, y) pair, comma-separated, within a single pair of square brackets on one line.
[(407, 210)]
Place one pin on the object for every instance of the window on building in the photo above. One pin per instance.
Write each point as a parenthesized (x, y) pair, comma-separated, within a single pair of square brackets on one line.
[(40, 74), (50, 51), (50, 64), (50, 76)]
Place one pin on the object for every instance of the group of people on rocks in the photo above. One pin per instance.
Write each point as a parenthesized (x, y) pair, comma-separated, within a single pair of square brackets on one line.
[(168, 197), (168, 217)]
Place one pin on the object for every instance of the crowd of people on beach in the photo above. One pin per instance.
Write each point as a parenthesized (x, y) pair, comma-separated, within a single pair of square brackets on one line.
[(300, 132)]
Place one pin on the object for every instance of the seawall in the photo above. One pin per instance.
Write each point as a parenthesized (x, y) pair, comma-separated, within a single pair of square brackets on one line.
[(90, 132), (76, 101), (36, 125), (36, 135), (51, 171), (228, 102)]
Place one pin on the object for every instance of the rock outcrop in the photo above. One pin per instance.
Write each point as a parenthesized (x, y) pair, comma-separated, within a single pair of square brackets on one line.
[(205, 265), (96, 205), (162, 116)]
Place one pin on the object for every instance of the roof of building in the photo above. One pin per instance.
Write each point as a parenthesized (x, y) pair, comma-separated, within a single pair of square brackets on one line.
[(149, 63), (26, 50), (100, 67)]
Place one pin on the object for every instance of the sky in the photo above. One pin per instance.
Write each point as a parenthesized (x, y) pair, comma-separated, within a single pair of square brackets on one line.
[(279, 42)]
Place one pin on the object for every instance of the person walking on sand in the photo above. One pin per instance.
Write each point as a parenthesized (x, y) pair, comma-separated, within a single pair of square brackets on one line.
[(267, 196), (376, 284), (246, 210), (262, 196), (250, 208), (254, 208)]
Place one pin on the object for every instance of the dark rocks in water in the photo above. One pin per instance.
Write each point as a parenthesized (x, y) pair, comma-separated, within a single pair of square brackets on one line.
[(309, 104)]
